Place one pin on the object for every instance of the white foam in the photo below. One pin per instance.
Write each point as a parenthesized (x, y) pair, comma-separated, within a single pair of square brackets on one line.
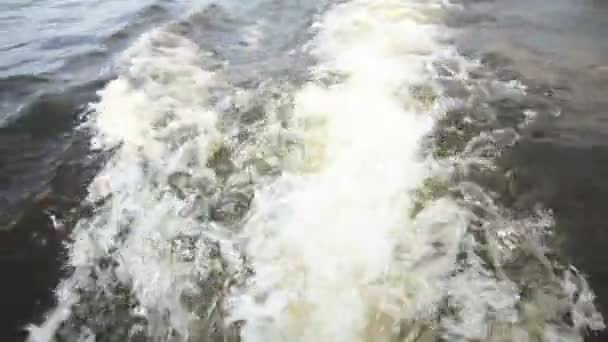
[(337, 254), (157, 112)]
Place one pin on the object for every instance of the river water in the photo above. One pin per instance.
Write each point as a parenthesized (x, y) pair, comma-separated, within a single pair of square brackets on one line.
[(357, 170)]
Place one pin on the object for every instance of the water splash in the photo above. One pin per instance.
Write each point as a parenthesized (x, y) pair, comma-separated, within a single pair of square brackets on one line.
[(308, 212)]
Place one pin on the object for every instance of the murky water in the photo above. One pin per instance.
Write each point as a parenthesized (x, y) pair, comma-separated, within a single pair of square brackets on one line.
[(303, 170), (560, 160)]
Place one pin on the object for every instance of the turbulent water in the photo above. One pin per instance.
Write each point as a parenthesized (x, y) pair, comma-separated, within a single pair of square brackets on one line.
[(311, 171)]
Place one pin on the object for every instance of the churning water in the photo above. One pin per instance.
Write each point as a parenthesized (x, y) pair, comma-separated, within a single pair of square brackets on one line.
[(310, 171)]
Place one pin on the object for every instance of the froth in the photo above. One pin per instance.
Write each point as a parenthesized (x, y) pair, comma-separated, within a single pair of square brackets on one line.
[(147, 233), (337, 252)]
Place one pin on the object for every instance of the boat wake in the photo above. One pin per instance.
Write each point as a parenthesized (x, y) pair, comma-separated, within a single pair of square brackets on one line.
[(338, 203)]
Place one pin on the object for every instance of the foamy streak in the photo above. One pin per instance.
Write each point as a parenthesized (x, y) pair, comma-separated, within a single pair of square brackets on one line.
[(337, 251), (337, 255), (157, 111)]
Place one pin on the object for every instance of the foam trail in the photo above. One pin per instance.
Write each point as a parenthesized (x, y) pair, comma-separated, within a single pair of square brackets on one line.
[(146, 232), (340, 249), (337, 253)]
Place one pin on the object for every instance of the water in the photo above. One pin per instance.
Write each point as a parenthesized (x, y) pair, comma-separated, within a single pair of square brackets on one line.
[(303, 170)]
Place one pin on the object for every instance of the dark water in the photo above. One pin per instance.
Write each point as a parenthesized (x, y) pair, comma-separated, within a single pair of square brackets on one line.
[(559, 49), (54, 55)]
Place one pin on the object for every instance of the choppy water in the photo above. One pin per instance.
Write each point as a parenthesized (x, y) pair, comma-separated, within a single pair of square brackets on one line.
[(360, 170)]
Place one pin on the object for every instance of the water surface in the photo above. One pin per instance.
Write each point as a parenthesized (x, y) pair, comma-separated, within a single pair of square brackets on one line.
[(289, 170)]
